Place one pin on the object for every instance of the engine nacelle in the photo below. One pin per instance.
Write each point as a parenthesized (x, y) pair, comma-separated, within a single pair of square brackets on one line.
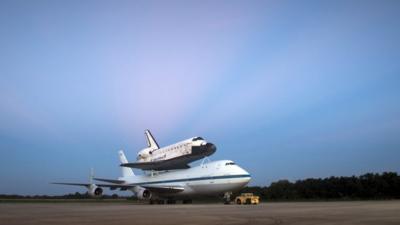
[(143, 194), (95, 191)]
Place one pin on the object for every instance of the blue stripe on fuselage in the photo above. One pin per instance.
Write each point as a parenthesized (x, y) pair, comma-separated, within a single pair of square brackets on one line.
[(193, 179)]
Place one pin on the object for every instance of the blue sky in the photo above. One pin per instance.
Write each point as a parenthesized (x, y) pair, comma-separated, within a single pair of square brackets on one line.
[(287, 89)]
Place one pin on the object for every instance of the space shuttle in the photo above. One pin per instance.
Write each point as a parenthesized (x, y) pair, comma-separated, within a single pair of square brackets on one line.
[(171, 157)]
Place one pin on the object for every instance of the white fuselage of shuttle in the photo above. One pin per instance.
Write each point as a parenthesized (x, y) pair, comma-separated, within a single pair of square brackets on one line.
[(187, 147), (175, 156)]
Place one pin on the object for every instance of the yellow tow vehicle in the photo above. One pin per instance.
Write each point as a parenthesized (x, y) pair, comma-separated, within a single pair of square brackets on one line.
[(247, 198)]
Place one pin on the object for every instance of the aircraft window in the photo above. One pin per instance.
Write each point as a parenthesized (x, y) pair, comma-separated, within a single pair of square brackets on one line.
[(229, 163), (197, 139)]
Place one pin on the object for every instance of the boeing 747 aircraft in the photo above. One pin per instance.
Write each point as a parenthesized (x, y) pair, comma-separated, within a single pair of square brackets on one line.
[(207, 179)]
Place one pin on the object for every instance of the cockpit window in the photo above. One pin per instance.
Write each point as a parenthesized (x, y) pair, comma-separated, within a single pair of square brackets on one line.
[(229, 163), (198, 139)]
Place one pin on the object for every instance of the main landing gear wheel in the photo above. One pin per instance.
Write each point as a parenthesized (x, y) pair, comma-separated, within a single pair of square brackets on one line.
[(171, 201), (227, 198), (187, 201)]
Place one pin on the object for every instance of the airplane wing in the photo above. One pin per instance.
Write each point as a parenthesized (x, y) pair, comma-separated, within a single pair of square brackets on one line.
[(164, 189), (111, 186), (74, 184), (124, 187), (153, 188), (110, 180), (157, 165)]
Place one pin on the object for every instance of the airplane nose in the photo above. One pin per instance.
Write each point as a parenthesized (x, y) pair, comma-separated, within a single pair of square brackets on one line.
[(205, 149), (211, 148)]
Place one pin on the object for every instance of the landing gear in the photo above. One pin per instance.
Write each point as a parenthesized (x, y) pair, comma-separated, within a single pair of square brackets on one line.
[(227, 198), (171, 201), (168, 201), (156, 201), (187, 201)]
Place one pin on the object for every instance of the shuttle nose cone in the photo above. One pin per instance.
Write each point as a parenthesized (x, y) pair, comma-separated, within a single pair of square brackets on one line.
[(204, 150), (210, 148)]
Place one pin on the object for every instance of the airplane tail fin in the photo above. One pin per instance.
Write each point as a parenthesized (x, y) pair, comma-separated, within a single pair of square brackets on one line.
[(126, 172), (91, 176), (151, 142)]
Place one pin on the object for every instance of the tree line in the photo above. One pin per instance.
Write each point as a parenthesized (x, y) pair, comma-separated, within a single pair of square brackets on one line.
[(364, 187), (75, 195), (368, 186)]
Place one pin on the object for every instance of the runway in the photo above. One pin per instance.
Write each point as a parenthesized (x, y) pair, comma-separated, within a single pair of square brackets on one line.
[(363, 212)]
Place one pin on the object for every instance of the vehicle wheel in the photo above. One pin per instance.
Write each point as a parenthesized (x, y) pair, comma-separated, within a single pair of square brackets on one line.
[(239, 202), (248, 201)]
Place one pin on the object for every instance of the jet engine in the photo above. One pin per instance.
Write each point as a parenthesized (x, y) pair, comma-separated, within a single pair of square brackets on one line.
[(95, 191), (143, 194)]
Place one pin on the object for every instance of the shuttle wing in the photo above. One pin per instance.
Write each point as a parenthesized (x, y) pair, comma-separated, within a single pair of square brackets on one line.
[(169, 164), (157, 165)]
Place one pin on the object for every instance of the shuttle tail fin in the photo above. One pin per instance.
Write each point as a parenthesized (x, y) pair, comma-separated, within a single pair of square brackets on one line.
[(126, 172), (151, 142)]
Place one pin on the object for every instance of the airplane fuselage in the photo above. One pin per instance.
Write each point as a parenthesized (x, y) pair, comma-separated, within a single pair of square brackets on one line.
[(183, 148), (207, 179), (175, 156)]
